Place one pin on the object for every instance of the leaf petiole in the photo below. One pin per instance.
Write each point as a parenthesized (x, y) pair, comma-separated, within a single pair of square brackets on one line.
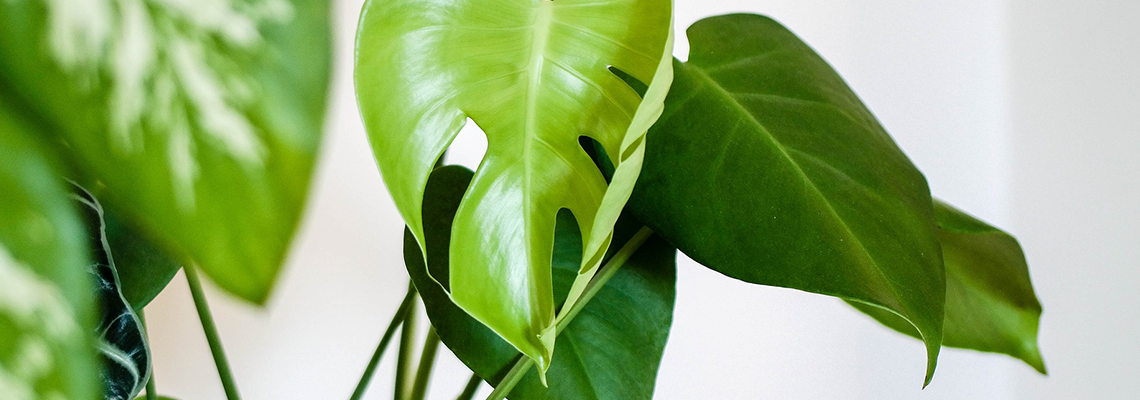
[(427, 360), (211, 332), (404, 354), (152, 392), (515, 375), (472, 387), (397, 320)]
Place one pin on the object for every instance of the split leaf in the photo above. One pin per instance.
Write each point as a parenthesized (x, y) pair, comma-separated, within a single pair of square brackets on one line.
[(535, 76), (611, 350)]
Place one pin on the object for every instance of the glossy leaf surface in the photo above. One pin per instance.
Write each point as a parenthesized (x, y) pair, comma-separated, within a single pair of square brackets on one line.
[(45, 290), (201, 118), (766, 167), (990, 303), (119, 334), (534, 75), (611, 350)]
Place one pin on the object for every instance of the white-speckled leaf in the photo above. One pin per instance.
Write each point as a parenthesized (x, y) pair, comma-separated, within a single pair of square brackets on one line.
[(202, 118), (45, 291)]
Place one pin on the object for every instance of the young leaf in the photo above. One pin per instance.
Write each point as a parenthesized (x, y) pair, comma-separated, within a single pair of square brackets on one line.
[(535, 76), (766, 167), (990, 304), (45, 290), (119, 336), (201, 118), (611, 350)]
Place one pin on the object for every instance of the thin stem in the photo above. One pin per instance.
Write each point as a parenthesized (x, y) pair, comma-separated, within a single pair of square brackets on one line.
[(397, 320), (151, 392), (427, 360), (404, 354), (471, 388), (211, 332), (515, 375), (605, 274)]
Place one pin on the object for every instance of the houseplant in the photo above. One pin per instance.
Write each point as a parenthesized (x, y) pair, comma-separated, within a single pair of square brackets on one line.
[(760, 163)]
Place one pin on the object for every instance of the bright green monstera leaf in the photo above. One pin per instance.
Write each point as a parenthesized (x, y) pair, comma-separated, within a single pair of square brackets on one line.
[(610, 350), (202, 119), (119, 333), (766, 167), (536, 76), (45, 289), (990, 303)]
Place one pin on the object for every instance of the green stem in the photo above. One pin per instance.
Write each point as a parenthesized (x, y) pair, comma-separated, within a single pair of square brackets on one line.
[(427, 360), (397, 320), (471, 388), (404, 353), (211, 331), (151, 392), (515, 375)]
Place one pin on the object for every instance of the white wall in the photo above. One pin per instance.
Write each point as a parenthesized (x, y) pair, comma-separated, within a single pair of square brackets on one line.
[(1075, 90), (1009, 115)]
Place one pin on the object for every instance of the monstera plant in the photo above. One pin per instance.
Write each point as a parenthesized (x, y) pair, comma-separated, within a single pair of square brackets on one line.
[(144, 137)]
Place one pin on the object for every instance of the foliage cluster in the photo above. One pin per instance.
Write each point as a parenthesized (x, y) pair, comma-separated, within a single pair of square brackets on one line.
[(144, 137)]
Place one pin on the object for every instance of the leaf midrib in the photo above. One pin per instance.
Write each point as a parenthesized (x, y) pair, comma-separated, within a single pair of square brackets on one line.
[(727, 95), (541, 28)]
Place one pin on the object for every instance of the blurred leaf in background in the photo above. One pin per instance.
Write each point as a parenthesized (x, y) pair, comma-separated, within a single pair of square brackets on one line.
[(201, 119), (45, 290)]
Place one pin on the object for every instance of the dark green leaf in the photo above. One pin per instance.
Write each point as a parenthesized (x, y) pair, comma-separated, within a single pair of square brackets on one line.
[(610, 351), (45, 290), (202, 120), (990, 304), (144, 269), (120, 336), (766, 167)]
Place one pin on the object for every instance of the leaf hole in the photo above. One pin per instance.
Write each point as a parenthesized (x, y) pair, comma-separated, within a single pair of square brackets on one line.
[(567, 254), (633, 83), (445, 189), (598, 154), (632, 148), (639, 87), (469, 147)]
